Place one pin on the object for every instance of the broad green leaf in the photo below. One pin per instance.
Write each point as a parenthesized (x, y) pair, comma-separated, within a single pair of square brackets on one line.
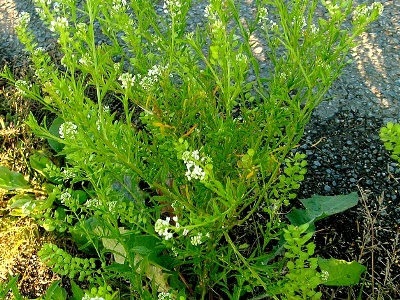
[(10, 180), (19, 200), (340, 272), (319, 207), (40, 161), (56, 146), (48, 225), (91, 227)]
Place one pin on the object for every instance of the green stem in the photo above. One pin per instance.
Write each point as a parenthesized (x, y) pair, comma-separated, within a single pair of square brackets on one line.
[(244, 261)]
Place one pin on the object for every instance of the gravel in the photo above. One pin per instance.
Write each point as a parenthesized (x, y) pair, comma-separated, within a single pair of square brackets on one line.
[(341, 142)]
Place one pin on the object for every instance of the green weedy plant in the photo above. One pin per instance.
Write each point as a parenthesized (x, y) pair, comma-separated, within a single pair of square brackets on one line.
[(390, 135), (302, 282), (177, 147)]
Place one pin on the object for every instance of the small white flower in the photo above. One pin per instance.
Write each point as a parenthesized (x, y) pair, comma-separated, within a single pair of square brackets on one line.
[(185, 232), (93, 203), (24, 17), (60, 23), (65, 197), (363, 11), (67, 129), (85, 60), (162, 228), (241, 58), (21, 86), (111, 206), (164, 296), (173, 7), (56, 7), (272, 25), (262, 15), (41, 13), (314, 29), (68, 174), (196, 240), (209, 13), (324, 275), (127, 80), (87, 297)]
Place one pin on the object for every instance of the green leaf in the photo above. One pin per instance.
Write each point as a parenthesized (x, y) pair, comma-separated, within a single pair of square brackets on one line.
[(10, 180), (87, 232), (55, 126), (39, 162), (341, 273), (12, 284), (48, 225), (319, 207), (77, 292), (55, 292)]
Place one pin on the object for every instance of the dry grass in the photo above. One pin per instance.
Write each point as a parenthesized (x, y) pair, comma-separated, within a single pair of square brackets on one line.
[(20, 238), (380, 282)]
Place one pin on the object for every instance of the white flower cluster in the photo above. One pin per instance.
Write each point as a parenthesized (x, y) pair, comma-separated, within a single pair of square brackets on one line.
[(324, 275), (173, 7), (41, 13), (241, 58), (162, 227), (60, 23), (111, 206), (363, 11), (68, 174), (153, 76), (332, 9), (217, 27), (22, 86), (119, 5), (43, 2), (39, 51), (147, 82), (262, 16), (300, 21), (65, 197), (127, 80), (85, 60), (81, 31), (191, 159), (67, 129), (314, 29), (273, 26), (209, 13), (56, 7), (93, 203), (24, 17), (87, 297), (196, 240), (164, 296)]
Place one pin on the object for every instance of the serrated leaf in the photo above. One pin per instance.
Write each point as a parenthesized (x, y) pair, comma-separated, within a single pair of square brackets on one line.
[(319, 207), (10, 180), (340, 272)]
